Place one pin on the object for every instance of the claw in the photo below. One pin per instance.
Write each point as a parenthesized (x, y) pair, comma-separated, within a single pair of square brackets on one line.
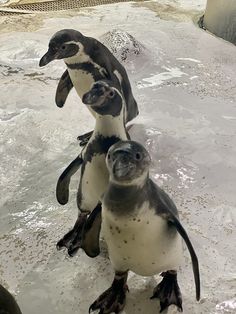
[(59, 245), (73, 250)]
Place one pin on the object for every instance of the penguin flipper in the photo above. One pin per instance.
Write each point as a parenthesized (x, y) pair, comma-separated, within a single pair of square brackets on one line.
[(166, 208), (62, 189), (63, 88), (172, 219), (91, 232)]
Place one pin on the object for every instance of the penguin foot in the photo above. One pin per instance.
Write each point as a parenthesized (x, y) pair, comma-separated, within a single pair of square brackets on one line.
[(113, 299), (168, 291), (73, 238), (83, 139)]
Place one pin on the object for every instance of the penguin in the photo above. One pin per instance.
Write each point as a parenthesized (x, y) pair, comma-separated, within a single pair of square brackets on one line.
[(107, 102), (8, 304), (141, 227), (87, 61)]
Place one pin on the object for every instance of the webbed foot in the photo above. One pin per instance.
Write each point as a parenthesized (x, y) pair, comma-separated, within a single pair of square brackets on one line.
[(84, 138), (74, 235), (168, 291), (113, 299)]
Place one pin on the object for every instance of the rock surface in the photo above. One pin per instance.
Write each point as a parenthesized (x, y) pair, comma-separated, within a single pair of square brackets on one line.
[(123, 45)]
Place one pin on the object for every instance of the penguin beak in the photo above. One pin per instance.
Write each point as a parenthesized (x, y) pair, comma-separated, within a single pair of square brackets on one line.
[(47, 58), (90, 98), (94, 97), (122, 167)]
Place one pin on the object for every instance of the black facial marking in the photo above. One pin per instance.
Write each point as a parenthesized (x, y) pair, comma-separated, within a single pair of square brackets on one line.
[(68, 50), (111, 106), (66, 35), (104, 98)]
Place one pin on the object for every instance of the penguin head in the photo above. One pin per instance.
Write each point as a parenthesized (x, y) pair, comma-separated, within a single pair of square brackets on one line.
[(63, 44), (103, 98), (128, 163)]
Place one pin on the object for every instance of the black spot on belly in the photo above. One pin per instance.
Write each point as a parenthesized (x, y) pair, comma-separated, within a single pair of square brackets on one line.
[(111, 228), (125, 241), (147, 222), (118, 229), (139, 220)]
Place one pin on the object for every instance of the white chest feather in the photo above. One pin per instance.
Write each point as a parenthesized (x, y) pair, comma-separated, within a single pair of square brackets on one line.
[(142, 243), (94, 181), (81, 80)]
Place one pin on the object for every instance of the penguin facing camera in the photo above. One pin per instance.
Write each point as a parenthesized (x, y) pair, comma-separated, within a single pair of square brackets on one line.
[(141, 227), (107, 102)]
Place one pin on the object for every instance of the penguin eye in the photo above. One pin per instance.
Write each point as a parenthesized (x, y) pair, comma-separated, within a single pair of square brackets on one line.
[(111, 94), (63, 47), (138, 156)]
